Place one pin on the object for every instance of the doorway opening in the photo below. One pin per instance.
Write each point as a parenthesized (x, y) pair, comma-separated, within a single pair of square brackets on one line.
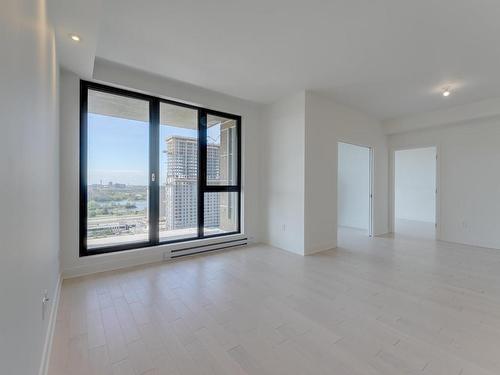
[(354, 187), (415, 193)]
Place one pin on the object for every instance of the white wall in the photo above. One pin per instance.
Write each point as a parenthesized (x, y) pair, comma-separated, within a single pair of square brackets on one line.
[(283, 173), (469, 181), (415, 184), (353, 200), (29, 190), (328, 123), (300, 170), (118, 75)]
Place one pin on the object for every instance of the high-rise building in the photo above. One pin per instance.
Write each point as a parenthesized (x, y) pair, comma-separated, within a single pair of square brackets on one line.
[(180, 199)]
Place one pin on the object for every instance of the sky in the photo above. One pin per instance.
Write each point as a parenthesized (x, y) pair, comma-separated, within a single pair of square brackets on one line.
[(118, 149)]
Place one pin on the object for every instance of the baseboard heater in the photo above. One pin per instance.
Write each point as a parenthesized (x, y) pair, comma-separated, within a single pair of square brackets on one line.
[(178, 253)]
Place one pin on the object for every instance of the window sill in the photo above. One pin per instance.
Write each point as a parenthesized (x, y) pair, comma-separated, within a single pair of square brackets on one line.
[(172, 247)]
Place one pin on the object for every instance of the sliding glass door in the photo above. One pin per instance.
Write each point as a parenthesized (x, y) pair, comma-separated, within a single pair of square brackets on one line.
[(178, 144), (154, 171), (117, 170)]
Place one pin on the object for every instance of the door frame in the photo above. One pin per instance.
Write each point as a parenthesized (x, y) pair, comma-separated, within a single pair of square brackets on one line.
[(370, 186), (392, 184)]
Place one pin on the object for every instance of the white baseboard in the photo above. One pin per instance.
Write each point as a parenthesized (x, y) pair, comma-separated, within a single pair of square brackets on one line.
[(319, 249), (47, 347), (110, 265), (352, 228), (137, 257)]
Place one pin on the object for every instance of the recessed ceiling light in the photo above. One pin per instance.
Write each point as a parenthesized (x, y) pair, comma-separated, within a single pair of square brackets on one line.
[(74, 37), (446, 92)]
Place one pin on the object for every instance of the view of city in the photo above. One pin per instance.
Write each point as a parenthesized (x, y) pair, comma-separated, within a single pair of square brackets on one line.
[(118, 209)]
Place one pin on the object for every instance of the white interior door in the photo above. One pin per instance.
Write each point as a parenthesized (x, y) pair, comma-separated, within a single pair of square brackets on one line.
[(355, 193)]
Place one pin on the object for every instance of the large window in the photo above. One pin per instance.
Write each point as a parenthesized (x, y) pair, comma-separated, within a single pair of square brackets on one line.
[(154, 171)]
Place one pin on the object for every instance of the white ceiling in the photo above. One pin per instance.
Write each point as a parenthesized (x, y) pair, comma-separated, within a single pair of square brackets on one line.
[(81, 18), (388, 58)]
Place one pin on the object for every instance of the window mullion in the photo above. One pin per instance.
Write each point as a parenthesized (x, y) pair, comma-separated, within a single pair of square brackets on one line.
[(154, 161), (202, 169), (222, 188)]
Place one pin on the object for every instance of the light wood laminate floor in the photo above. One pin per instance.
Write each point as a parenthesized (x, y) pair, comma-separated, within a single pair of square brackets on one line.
[(372, 306)]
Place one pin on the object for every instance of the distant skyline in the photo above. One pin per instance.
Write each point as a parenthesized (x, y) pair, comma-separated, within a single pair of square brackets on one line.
[(118, 149)]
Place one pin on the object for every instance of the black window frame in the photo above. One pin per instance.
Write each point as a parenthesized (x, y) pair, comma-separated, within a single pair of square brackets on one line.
[(154, 169)]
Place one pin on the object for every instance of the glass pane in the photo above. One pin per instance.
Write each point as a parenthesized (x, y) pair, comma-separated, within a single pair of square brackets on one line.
[(222, 151), (221, 213), (118, 170), (178, 172)]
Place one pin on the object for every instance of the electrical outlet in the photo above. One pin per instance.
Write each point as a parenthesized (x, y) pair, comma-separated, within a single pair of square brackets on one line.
[(283, 227), (45, 302)]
